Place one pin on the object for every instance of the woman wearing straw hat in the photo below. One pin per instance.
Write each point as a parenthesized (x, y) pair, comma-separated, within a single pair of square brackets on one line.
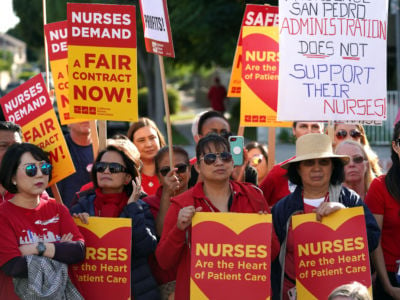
[(318, 174)]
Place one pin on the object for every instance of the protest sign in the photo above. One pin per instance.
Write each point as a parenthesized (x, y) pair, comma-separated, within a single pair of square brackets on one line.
[(230, 257), (156, 27), (102, 62), (260, 71), (330, 253), (106, 271), (332, 60), (30, 107), (56, 37), (254, 15)]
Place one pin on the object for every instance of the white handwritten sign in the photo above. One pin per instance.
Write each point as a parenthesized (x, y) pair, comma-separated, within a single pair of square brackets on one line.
[(332, 60)]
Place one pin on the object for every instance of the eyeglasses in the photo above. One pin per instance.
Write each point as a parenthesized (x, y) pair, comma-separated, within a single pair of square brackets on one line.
[(113, 167), (181, 169), (32, 169), (354, 133), (256, 159), (211, 158), (357, 159)]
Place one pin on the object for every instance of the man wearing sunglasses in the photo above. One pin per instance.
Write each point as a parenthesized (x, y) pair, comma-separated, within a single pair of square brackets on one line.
[(276, 185)]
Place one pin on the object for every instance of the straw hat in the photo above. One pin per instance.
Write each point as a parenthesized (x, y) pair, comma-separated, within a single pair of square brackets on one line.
[(314, 146)]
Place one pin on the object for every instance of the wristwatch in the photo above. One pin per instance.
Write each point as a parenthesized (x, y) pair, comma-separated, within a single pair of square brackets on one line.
[(41, 248)]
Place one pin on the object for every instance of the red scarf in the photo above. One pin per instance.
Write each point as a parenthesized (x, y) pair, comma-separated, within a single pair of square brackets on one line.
[(109, 205)]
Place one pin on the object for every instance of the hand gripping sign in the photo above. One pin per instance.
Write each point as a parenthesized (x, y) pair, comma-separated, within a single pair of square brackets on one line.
[(230, 256), (102, 63), (330, 253), (30, 107)]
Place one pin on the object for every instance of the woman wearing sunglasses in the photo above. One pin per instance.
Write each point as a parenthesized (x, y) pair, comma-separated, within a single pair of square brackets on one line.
[(318, 174), (173, 182), (31, 224), (217, 193), (356, 132), (383, 199), (358, 174), (116, 193)]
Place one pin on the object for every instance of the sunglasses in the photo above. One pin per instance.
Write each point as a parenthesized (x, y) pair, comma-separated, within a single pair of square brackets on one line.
[(113, 167), (181, 169), (354, 133), (211, 158), (256, 159), (357, 159), (32, 169)]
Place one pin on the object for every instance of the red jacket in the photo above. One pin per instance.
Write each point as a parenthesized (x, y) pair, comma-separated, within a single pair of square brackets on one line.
[(275, 185), (173, 249)]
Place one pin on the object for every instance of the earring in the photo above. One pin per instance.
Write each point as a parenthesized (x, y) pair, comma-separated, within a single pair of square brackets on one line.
[(14, 183)]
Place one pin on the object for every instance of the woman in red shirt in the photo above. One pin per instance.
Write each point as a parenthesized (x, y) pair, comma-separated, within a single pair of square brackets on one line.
[(217, 193), (383, 199)]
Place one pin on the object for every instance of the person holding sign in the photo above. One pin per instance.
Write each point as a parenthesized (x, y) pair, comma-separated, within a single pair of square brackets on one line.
[(383, 199), (117, 191), (148, 139), (318, 174), (32, 225), (216, 193)]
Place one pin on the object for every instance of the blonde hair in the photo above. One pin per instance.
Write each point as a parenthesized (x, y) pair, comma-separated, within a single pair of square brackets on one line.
[(369, 155), (354, 291)]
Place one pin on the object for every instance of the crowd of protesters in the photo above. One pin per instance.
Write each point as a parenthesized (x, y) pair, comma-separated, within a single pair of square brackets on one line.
[(132, 178)]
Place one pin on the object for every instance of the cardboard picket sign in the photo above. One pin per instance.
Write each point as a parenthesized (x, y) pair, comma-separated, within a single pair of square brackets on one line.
[(230, 256), (254, 15), (260, 75), (102, 61), (30, 107), (332, 60), (330, 253), (156, 27), (57, 45), (106, 271)]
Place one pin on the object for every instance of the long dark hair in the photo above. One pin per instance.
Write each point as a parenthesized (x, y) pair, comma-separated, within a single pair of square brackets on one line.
[(392, 179)]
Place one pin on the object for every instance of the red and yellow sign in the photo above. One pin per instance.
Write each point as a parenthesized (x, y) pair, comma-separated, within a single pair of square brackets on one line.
[(102, 62), (105, 273), (56, 37), (254, 15), (330, 253), (230, 257), (30, 107), (260, 71)]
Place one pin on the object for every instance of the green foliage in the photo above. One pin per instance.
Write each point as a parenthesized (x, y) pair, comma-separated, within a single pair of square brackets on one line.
[(26, 75), (173, 101), (6, 60)]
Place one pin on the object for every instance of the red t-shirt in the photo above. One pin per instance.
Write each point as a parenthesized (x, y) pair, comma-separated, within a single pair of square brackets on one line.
[(20, 226), (150, 184), (380, 202), (276, 185)]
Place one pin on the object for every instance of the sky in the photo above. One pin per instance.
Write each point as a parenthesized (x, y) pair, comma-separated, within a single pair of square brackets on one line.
[(7, 17)]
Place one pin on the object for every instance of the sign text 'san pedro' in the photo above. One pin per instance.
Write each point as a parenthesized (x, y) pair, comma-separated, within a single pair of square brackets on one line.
[(102, 61), (30, 107)]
